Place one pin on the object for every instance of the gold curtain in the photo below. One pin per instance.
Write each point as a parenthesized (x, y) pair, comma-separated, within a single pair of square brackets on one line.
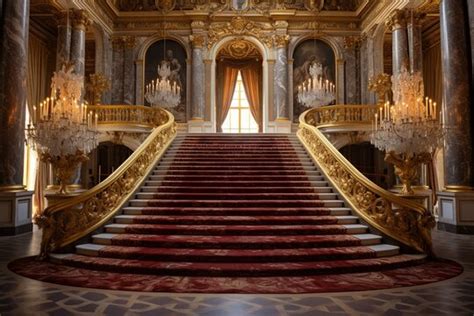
[(433, 74), (252, 80), (433, 81), (225, 92), (251, 71), (37, 81)]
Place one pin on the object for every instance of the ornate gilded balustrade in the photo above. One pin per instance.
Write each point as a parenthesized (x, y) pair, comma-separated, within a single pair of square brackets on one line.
[(351, 116), (68, 221), (112, 117), (403, 220)]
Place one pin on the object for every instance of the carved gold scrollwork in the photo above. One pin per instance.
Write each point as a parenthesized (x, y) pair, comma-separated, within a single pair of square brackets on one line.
[(66, 222), (403, 220), (239, 26)]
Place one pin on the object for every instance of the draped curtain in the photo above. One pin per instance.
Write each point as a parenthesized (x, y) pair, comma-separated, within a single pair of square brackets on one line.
[(37, 83), (433, 74), (433, 81), (251, 71)]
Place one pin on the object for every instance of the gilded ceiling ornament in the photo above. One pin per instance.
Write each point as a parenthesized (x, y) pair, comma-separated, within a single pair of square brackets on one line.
[(80, 19), (314, 5), (165, 5), (398, 19), (239, 49), (381, 85), (239, 26), (351, 42), (197, 40), (281, 40)]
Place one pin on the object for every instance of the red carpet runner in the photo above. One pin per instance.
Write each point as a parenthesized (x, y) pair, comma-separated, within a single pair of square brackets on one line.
[(228, 206)]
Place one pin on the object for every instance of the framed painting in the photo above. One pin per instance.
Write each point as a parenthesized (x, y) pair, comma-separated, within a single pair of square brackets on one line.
[(175, 55), (305, 54)]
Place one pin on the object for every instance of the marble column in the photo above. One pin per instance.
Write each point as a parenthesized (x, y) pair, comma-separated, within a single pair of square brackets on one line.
[(398, 25), (455, 201), (129, 43), (415, 40), (117, 70), (13, 73), (281, 78), (457, 94), (80, 20), (63, 49), (198, 74), (15, 201)]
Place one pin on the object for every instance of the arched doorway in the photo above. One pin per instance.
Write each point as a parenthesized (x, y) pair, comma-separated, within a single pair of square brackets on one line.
[(239, 88)]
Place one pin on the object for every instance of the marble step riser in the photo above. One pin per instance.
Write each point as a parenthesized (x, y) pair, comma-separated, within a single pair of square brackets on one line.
[(249, 178), (225, 203), (237, 196), (316, 184), (157, 189), (232, 212)]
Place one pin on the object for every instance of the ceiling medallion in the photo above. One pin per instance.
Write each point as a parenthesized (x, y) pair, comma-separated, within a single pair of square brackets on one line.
[(239, 49)]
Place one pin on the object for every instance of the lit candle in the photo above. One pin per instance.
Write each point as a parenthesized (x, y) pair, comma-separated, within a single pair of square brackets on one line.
[(34, 113), (434, 110), (376, 117), (96, 120)]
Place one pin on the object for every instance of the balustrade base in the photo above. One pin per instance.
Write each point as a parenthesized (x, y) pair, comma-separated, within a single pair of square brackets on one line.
[(280, 126), (15, 212), (456, 212)]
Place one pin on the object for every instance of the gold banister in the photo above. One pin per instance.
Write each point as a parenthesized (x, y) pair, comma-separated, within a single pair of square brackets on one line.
[(66, 222), (403, 220)]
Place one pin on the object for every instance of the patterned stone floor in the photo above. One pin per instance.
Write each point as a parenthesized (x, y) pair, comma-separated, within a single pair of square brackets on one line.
[(20, 296)]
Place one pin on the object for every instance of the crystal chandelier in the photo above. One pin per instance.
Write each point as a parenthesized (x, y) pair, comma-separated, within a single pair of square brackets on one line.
[(62, 131), (316, 91), (409, 130), (163, 92)]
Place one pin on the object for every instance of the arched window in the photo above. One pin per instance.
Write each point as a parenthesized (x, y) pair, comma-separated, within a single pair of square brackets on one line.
[(239, 119)]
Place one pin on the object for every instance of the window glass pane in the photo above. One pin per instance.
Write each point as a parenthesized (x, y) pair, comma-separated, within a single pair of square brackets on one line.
[(239, 119)]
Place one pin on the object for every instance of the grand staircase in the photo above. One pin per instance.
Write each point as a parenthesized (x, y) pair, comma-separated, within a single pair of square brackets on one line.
[(237, 205)]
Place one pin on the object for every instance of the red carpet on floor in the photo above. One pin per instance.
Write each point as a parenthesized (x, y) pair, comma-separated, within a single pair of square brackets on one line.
[(432, 271), (237, 213)]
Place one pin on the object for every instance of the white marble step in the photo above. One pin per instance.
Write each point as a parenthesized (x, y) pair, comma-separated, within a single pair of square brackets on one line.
[(158, 172), (151, 195), (350, 228), (334, 211), (366, 239), (381, 250), (197, 177), (155, 183), (155, 189), (129, 219), (145, 202)]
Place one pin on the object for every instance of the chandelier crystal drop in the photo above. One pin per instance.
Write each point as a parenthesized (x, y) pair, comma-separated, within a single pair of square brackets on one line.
[(410, 126), (162, 92), (409, 130), (316, 91), (62, 131)]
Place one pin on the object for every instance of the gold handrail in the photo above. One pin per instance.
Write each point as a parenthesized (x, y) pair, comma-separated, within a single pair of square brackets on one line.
[(328, 116), (129, 115), (66, 222), (403, 220)]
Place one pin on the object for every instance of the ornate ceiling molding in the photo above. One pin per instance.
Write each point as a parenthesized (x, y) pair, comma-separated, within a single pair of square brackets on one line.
[(240, 26), (239, 49)]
